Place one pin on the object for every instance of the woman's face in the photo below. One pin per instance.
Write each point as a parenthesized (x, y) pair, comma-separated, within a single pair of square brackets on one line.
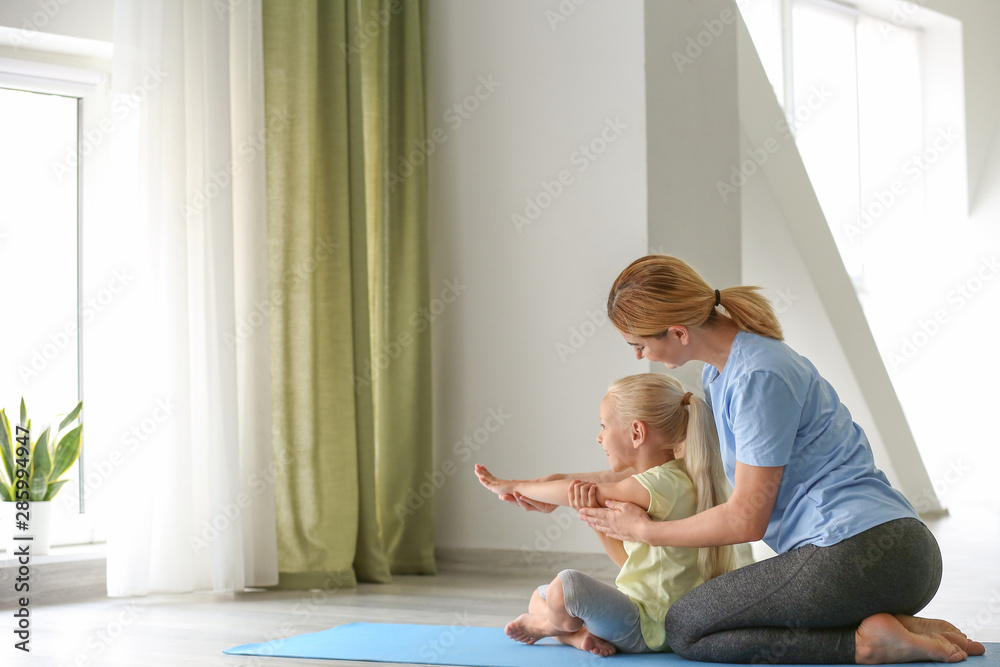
[(671, 350), (614, 438)]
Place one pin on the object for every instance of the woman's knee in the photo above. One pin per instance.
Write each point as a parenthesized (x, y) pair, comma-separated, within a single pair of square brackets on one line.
[(932, 570), (681, 627)]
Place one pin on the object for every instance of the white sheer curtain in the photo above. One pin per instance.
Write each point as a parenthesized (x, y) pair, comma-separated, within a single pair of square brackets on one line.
[(188, 76)]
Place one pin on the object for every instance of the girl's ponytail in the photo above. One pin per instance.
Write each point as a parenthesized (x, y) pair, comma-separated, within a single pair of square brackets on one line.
[(704, 466), (685, 423)]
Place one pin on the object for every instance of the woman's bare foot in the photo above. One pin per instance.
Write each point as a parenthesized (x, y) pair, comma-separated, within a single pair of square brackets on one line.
[(529, 628), (883, 639), (926, 626), (585, 641)]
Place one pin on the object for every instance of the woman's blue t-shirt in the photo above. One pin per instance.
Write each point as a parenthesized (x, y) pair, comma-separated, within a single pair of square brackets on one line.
[(772, 408)]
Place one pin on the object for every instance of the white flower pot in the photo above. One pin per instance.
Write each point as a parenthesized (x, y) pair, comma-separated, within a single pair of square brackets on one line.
[(39, 527)]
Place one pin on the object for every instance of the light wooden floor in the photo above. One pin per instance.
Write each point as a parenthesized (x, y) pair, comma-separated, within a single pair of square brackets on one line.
[(194, 629)]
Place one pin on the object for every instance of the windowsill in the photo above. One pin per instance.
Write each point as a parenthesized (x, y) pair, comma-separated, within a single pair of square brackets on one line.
[(64, 554), (66, 574)]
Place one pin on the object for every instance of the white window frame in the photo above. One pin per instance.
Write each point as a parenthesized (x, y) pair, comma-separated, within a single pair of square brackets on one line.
[(81, 69)]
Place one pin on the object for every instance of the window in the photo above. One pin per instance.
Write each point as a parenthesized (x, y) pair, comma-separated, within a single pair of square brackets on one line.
[(885, 152), (41, 213)]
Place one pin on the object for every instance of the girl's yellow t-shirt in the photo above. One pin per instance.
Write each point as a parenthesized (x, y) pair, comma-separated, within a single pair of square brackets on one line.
[(655, 577)]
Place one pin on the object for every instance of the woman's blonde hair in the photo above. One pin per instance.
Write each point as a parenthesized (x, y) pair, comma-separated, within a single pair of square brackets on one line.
[(657, 292), (657, 400)]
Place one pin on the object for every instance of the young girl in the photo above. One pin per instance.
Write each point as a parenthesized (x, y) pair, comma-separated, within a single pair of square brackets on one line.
[(650, 426)]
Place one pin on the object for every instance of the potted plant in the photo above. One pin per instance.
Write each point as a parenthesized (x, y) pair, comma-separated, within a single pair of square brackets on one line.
[(50, 454)]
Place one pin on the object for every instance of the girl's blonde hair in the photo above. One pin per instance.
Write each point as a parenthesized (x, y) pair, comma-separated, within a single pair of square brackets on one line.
[(657, 400), (657, 292)]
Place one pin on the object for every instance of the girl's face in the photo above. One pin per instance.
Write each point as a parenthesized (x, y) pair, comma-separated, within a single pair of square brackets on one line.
[(615, 438), (671, 350)]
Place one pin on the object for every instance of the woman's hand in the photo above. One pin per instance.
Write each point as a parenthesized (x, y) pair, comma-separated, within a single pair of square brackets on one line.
[(501, 487), (621, 521), (582, 494), (528, 504)]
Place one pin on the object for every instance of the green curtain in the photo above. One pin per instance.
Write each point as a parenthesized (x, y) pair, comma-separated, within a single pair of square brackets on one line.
[(347, 234)]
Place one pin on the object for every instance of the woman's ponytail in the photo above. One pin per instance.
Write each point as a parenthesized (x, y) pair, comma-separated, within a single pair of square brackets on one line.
[(750, 311), (657, 292)]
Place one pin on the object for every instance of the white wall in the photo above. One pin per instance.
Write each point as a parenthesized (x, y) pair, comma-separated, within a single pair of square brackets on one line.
[(836, 337), (693, 138), (86, 19), (527, 291), (949, 381), (980, 20)]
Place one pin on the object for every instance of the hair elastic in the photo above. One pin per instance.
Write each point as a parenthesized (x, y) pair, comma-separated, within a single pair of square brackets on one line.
[(718, 298), (687, 399)]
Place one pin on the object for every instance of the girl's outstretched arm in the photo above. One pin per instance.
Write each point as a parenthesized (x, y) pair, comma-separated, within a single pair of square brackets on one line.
[(531, 505), (556, 491)]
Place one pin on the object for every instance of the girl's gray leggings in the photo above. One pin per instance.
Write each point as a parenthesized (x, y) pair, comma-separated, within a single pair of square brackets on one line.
[(805, 605)]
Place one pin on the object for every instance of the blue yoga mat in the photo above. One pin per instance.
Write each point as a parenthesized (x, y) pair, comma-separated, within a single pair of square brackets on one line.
[(461, 645)]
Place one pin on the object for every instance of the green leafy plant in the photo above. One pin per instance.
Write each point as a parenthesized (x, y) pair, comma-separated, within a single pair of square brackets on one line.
[(52, 454)]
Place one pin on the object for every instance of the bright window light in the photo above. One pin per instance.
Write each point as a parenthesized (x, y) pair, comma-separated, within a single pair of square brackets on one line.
[(38, 264), (38, 252)]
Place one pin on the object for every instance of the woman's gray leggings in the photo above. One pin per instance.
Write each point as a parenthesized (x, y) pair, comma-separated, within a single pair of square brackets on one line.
[(805, 605)]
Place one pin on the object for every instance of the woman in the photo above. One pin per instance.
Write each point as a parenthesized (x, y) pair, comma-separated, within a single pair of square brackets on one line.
[(854, 560)]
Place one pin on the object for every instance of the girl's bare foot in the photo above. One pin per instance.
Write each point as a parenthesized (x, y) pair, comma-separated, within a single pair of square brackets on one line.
[(597, 646), (585, 641), (883, 639), (926, 626), (529, 628)]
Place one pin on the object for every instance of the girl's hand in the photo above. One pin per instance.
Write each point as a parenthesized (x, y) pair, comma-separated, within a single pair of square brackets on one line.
[(582, 494), (501, 487), (621, 521)]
